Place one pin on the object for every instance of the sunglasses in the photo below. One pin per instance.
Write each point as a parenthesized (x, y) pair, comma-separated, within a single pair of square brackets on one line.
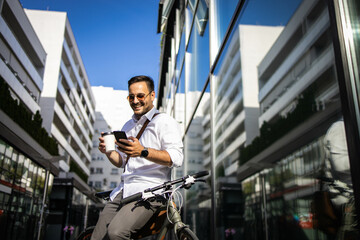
[(140, 97)]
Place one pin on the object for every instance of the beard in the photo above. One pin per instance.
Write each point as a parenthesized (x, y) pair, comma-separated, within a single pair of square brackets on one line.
[(140, 109)]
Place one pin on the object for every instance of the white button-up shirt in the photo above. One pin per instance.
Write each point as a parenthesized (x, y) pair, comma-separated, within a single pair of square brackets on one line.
[(162, 133)]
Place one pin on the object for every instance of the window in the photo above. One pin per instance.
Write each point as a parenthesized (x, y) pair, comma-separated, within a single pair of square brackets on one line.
[(99, 170), (113, 184), (98, 184), (114, 171)]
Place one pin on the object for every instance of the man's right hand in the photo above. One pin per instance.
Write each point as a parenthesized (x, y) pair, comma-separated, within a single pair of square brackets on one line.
[(113, 156), (102, 145)]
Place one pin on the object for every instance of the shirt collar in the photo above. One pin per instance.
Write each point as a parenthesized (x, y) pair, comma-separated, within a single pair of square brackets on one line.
[(149, 115)]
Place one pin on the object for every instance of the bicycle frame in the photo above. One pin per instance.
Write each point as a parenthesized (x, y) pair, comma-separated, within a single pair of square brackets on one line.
[(175, 223)]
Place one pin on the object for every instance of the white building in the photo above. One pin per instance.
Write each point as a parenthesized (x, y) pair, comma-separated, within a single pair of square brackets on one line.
[(22, 55), (67, 103), (112, 112)]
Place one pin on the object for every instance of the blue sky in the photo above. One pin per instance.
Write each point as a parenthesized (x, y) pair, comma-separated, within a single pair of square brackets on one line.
[(117, 39)]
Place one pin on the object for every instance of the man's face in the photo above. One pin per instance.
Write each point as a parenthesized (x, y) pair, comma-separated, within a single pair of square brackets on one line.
[(142, 106)]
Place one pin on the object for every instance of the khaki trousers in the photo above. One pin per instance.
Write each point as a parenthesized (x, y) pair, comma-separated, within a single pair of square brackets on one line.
[(119, 222)]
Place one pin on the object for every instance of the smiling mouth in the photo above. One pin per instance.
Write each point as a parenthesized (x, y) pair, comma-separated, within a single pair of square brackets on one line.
[(137, 106)]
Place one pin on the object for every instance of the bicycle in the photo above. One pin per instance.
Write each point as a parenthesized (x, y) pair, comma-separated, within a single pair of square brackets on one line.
[(165, 219)]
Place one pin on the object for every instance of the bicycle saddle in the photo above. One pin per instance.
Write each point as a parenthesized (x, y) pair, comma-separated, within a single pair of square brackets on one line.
[(104, 195)]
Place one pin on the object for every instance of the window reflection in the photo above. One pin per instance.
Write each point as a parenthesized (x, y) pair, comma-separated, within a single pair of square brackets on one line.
[(180, 58), (22, 183), (197, 57), (288, 52), (351, 25), (196, 157), (179, 102), (198, 50), (201, 17), (269, 13), (275, 96), (223, 15), (290, 186)]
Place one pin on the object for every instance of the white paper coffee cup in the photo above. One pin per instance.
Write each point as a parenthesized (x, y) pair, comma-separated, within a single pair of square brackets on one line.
[(109, 140)]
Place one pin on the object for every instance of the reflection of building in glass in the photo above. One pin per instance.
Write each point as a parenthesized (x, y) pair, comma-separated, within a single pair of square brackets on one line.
[(274, 93), (302, 57), (298, 74), (236, 89), (299, 99)]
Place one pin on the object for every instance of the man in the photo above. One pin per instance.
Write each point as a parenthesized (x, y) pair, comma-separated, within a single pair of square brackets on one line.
[(151, 158), (339, 185)]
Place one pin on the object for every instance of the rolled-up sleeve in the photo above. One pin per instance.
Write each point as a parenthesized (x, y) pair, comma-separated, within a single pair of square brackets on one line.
[(171, 140)]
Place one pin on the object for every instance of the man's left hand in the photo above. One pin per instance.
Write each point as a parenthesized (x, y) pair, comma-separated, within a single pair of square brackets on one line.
[(130, 147)]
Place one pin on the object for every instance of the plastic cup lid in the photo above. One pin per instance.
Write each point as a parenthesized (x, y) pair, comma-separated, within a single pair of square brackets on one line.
[(107, 133)]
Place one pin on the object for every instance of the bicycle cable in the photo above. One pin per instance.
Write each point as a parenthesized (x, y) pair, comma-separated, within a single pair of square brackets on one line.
[(177, 196)]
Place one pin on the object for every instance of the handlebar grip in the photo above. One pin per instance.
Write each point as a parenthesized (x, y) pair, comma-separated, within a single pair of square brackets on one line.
[(131, 198), (200, 174)]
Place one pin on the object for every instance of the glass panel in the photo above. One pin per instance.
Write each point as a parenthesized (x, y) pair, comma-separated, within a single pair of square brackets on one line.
[(2, 146), (19, 169), (353, 38), (179, 102), (14, 158), (274, 84), (2, 152), (181, 83), (198, 50), (7, 161), (197, 158), (197, 58), (170, 96), (50, 185), (26, 169), (28, 204), (180, 57), (36, 180), (190, 10), (30, 185), (41, 180), (223, 15)]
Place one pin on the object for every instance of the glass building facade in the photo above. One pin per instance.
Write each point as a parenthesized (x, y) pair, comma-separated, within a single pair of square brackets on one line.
[(267, 93), (22, 189)]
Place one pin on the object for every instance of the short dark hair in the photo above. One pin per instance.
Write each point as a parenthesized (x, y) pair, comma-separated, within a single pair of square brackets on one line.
[(142, 78)]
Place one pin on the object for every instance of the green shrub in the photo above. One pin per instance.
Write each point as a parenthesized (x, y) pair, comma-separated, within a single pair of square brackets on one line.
[(75, 168), (26, 120)]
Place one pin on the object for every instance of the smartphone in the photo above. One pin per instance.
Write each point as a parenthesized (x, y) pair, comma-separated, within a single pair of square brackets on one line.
[(119, 135)]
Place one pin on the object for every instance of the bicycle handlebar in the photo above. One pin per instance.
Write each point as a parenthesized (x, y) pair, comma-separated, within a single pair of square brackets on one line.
[(138, 195), (200, 174)]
